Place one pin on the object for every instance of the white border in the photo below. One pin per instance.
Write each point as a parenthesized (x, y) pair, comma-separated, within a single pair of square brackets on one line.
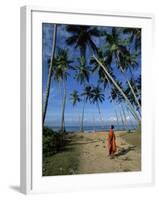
[(31, 78)]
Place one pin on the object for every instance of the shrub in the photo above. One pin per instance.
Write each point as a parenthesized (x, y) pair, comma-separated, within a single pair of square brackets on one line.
[(53, 142)]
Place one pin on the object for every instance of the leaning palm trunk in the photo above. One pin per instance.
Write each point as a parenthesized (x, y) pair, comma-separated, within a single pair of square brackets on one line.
[(117, 118), (122, 120), (129, 84), (50, 73), (132, 90), (125, 119), (94, 124), (63, 110), (138, 93), (100, 115), (82, 116), (132, 117), (119, 89)]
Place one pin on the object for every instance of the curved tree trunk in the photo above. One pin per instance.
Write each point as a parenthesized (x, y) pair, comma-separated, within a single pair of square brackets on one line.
[(119, 89), (50, 73), (63, 109), (82, 116)]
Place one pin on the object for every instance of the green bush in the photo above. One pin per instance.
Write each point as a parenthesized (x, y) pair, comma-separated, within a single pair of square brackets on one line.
[(53, 142)]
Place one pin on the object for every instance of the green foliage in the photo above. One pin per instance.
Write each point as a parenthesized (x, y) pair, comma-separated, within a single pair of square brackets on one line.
[(53, 142)]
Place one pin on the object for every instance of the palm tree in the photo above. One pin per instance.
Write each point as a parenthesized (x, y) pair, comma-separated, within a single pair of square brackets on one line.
[(137, 89), (75, 97), (117, 118), (81, 37), (117, 86), (96, 68), (87, 93), (122, 120), (82, 71), (50, 73), (134, 36), (116, 49), (62, 66), (125, 119), (97, 97)]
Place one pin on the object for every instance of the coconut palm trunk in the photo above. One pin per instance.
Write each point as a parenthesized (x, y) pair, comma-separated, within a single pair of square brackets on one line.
[(119, 89), (49, 73), (94, 124), (129, 84), (63, 108), (131, 119), (100, 115), (132, 76), (125, 119), (122, 120), (117, 118), (82, 119)]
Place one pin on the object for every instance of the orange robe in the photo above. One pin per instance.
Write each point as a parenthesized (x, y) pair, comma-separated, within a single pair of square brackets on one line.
[(111, 142)]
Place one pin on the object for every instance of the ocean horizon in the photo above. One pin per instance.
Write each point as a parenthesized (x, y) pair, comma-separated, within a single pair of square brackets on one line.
[(90, 129)]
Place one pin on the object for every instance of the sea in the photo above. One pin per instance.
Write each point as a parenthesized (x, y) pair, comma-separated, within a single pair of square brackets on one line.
[(91, 129)]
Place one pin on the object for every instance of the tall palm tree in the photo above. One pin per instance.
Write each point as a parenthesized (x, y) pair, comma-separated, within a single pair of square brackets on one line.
[(122, 120), (82, 37), (125, 118), (116, 49), (117, 118), (75, 98), (82, 71), (97, 97), (50, 73), (62, 65), (134, 36), (82, 74), (96, 68), (87, 93), (117, 86)]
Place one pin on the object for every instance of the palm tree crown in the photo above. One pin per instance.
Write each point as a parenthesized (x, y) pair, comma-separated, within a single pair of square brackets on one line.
[(61, 65), (81, 37), (96, 95), (82, 71), (75, 97)]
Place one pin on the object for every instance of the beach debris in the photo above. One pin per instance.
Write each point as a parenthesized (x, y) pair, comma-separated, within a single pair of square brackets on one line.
[(126, 159)]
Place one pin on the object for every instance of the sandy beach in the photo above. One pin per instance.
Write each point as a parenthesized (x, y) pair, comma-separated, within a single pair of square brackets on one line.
[(88, 153), (94, 154)]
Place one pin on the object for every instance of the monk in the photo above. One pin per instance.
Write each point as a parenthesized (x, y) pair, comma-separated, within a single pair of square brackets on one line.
[(111, 141)]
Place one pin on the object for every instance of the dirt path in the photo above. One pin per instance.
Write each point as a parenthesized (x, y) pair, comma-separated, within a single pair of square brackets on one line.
[(94, 155)]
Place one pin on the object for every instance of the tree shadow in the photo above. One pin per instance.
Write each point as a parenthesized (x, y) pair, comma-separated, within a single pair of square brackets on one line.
[(124, 151), (82, 143)]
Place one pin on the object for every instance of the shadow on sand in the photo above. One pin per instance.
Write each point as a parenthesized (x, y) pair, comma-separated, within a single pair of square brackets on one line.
[(124, 151)]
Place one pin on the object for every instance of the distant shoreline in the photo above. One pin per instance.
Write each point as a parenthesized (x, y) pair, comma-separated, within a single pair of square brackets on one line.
[(89, 129)]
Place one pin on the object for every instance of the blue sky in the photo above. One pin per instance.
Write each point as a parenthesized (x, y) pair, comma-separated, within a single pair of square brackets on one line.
[(73, 113)]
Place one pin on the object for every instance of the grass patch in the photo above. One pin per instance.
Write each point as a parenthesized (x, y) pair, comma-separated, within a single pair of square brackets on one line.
[(63, 163), (59, 157)]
